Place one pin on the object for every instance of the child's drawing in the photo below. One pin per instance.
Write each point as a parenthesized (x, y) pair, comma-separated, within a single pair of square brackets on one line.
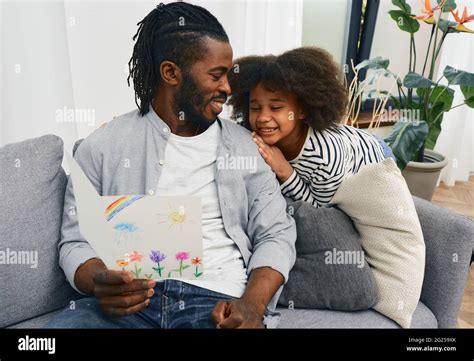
[(116, 206), (122, 264), (180, 257), (196, 261), (123, 232), (176, 216), (157, 257), (135, 258), (153, 237)]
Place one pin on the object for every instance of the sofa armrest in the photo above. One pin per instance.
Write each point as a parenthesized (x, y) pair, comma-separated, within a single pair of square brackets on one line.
[(449, 245)]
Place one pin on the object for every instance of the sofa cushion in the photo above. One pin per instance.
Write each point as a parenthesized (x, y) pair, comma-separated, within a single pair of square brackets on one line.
[(330, 269), (449, 241), (37, 322), (380, 204), (32, 185), (301, 318)]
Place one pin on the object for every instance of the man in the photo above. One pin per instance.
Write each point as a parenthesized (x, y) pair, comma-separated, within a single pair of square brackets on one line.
[(172, 146)]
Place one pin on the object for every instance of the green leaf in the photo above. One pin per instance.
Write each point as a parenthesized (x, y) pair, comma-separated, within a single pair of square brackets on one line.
[(404, 21), (421, 92), (184, 267), (374, 75), (449, 4), (443, 95), (395, 101), (448, 26), (414, 105), (402, 5), (458, 77), (407, 138), (435, 126), (414, 80), (375, 63), (468, 92), (198, 274), (376, 94)]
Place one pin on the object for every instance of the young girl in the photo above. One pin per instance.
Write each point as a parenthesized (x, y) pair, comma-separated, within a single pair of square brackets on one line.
[(294, 104)]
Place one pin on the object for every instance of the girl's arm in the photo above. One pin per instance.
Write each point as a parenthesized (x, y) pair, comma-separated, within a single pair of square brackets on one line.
[(297, 189), (274, 158), (319, 190)]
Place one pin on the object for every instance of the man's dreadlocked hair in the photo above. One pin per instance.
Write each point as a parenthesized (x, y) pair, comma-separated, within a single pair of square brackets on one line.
[(173, 32)]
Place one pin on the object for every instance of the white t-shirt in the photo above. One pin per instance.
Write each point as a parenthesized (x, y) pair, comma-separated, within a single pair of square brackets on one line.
[(189, 170)]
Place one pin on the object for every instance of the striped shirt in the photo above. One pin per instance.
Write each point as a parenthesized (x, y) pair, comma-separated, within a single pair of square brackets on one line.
[(326, 159)]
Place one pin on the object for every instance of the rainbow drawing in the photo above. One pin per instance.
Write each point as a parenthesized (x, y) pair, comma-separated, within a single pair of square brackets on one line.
[(119, 204)]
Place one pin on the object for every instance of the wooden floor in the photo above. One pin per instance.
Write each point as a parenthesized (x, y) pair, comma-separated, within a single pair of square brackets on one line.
[(460, 199)]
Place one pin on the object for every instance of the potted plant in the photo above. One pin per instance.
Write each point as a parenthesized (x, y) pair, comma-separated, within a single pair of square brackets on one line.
[(421, 101)]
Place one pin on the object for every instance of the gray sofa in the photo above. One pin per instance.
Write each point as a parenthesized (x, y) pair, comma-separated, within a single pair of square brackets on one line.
[(34, 289)]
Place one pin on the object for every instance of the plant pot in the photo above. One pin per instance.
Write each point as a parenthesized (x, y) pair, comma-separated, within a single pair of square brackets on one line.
[(422, 177)]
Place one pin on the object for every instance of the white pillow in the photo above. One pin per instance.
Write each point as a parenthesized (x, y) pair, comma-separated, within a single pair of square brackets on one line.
[(382, 209)]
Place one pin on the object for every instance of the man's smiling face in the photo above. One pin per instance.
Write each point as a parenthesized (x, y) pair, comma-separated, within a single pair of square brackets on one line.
[(204, 87)]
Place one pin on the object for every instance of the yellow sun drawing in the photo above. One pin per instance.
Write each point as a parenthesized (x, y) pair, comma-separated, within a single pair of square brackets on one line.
[(175, 217)]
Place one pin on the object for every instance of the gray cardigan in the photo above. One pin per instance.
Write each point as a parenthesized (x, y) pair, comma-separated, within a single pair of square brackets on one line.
[(126, 157)]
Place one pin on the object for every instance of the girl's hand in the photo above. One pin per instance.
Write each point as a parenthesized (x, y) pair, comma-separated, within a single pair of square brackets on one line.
[(274, 158)]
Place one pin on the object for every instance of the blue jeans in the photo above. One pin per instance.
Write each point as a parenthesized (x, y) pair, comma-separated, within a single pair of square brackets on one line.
[(175, 304)]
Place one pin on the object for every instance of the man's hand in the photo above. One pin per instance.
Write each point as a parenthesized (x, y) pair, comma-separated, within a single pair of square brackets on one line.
[(117, 293), (274, 158), (237, 314), (248, 311)]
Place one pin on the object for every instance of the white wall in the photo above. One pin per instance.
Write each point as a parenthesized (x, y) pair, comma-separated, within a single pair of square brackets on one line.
[(34, 83), (65, 56), (259, 27), (326, 24), (100, 45), (1, 74), (456, 140)]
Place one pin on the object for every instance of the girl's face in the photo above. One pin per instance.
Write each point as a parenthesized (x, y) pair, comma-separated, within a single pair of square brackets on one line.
[(274, 115)]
